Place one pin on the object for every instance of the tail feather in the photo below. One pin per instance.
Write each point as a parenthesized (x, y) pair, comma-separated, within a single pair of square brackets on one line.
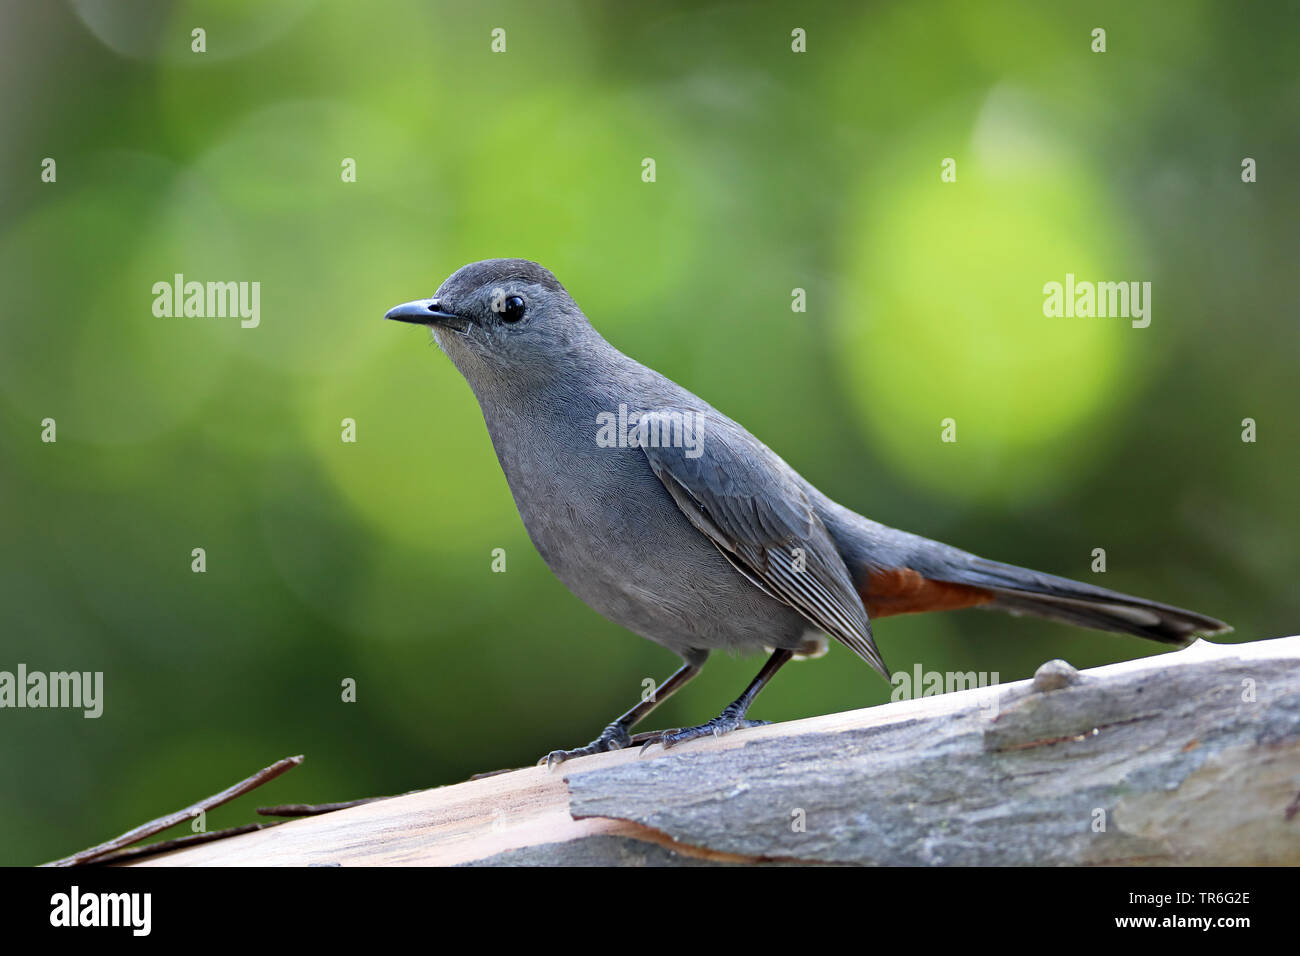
[(1022, 591), (902, 573)]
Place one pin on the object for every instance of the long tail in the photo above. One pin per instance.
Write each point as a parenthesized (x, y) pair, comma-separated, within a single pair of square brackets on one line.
[(1022, 591), (901, 573)]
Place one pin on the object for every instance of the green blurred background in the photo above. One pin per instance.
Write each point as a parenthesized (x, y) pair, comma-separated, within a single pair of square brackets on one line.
[(775, 170)]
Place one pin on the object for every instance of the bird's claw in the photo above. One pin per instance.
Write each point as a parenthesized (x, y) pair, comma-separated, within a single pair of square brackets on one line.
[(715, 727), (613, 737)]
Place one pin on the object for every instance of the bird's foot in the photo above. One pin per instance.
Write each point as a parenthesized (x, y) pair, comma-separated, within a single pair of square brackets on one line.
[(613, 737), (723, 724)]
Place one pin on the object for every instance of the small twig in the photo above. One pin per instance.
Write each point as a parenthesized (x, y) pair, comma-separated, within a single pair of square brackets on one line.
[(144, 831), (313, 809), (162, 846)]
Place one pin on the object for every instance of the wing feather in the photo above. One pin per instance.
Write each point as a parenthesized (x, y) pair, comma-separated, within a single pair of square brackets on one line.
[(747, 501)]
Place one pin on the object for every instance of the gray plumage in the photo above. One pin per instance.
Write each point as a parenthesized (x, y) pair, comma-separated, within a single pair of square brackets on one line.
[(720, 546)]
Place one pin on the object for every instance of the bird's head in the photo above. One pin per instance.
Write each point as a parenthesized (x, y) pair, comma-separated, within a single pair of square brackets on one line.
[(501, 317)]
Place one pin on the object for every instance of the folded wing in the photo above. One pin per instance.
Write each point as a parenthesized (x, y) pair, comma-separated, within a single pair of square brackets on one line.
[(744, 498)]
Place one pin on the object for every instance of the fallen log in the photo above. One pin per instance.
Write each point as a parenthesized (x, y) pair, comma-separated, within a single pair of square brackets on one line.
[(1190, 757)]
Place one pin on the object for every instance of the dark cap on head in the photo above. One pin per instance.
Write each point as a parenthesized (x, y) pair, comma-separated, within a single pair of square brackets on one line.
[(492, 271)]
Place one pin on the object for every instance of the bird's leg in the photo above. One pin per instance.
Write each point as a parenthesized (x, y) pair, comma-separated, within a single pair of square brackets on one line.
[(615, 736), (733, 716)]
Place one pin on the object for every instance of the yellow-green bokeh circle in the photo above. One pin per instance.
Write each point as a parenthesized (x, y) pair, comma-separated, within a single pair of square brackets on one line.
[(941, 316)]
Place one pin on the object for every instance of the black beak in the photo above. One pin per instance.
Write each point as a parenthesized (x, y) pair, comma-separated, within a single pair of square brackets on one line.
[(427, 312)]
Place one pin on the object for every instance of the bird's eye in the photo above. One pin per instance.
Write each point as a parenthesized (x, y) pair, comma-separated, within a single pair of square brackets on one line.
[(512, 310)]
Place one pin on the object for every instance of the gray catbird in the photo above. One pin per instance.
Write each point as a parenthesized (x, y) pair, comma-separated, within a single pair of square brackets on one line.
[(672, 520)]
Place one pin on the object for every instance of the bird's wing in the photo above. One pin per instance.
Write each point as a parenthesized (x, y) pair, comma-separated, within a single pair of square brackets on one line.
[(746, 500)]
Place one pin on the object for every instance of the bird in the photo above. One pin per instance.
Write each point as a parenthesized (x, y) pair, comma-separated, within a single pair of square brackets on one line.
[(672, 520)]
